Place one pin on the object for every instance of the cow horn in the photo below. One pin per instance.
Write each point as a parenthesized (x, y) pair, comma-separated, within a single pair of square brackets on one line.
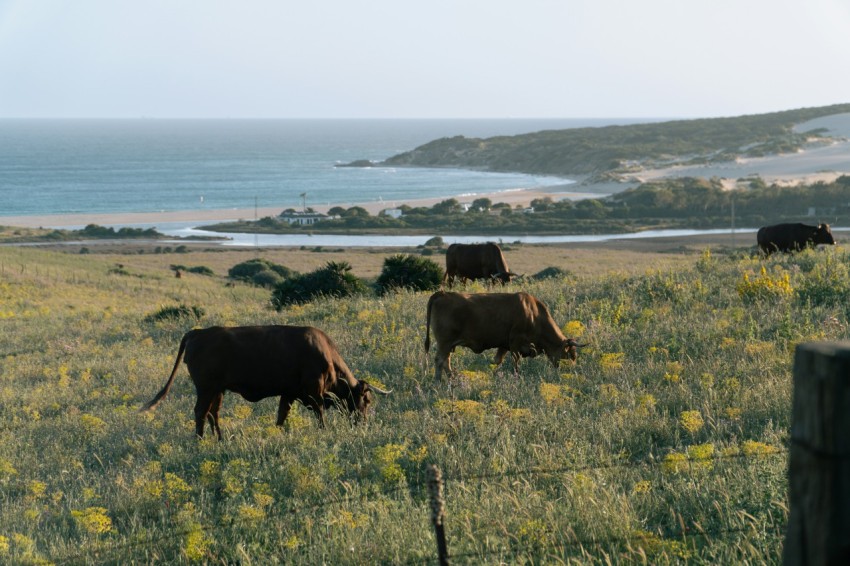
[(379, 390), (573, 343)]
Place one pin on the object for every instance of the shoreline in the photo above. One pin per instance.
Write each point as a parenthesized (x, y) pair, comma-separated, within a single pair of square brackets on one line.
[(820, 163), (514, 197)]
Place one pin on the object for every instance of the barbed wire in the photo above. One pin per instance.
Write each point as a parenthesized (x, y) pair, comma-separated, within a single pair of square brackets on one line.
[(120, 549), (515, 550), (645, 463)]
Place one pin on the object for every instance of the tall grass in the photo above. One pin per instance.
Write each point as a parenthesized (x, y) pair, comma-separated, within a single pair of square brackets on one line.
[(664, 443)]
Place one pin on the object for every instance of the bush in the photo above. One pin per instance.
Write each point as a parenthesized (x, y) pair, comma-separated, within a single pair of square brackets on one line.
[(435, 242), (201, 270), (333, 280), (828, 283), (765, 287), (550, 273), (266, 278), (410, 272), (260, 272), (176, 313)]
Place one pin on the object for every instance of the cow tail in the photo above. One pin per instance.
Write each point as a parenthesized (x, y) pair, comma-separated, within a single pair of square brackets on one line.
[(155, 401), (428, 324)]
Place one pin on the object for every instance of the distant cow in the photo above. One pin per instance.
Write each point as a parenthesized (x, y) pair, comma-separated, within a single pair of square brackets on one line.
[(511, 322), (299, 363), (476, 261), (792, 237)]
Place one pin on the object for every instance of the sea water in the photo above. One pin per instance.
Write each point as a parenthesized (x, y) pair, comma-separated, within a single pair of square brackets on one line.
[(112, 166)]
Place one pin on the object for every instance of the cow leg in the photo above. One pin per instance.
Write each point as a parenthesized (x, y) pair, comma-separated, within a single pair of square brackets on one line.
[(500, 356), (442, 362), (283, 410), (202, 408), (516, 357), (212, 416)]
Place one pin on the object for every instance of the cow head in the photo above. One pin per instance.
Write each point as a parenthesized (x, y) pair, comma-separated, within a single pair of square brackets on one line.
[(503, 277), (361, 397), (568, 350), (823, 235)]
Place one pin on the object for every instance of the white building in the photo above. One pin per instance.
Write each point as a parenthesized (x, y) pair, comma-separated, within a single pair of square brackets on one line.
[(303, 218), (392, 212)]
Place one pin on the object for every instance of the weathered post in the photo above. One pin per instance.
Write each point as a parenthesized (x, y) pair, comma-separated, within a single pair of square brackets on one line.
[(438, 512), (819, 460)]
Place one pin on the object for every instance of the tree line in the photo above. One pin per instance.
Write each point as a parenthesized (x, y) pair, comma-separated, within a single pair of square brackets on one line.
[(686, 202)]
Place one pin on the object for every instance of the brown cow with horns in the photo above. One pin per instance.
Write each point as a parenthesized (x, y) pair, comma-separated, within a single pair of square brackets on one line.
[(298, 363), (518, 323)]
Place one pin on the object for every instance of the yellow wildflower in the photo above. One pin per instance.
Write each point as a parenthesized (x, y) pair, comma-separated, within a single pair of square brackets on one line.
[(93, 520), (691, 421), (753, 448), (674, 463), (612, 361), (574, 329)]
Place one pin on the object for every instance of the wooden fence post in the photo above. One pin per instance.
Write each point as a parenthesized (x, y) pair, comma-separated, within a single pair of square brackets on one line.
[(819, 459), (438, 512)]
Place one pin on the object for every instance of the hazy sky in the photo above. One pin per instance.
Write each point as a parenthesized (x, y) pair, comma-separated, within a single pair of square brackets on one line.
[(420, 58)]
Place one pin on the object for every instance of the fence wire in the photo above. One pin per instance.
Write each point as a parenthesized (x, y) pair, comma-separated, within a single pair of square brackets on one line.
[(122, 550)]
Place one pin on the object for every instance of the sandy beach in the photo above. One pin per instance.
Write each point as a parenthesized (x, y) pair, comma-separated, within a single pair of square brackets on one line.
[(522, 197), (823, 162)]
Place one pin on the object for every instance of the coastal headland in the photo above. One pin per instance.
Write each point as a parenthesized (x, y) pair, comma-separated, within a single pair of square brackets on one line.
[(821, 162)]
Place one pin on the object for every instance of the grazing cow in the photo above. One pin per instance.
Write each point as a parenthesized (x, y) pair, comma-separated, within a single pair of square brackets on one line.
[(792, 237), (476, 261), (511, 322), (298, 363)]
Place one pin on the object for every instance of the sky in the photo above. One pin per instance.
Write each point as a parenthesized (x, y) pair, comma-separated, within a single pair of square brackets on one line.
[(420, 58)]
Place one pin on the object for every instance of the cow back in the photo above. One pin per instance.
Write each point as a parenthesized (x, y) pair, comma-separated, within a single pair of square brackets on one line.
[(792, 236), (263, 361), (475, 261), (481, 321)]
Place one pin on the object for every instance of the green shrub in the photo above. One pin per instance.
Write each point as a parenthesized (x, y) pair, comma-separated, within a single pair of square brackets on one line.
[(266, 278), (765, 287), (175, 313), (260, 272), (435, 242), (201, 270), (828, 283), (333, 280), (409, 272), (550, 273)]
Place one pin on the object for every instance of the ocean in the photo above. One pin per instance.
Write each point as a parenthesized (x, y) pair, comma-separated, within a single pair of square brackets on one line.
[(144, 165)]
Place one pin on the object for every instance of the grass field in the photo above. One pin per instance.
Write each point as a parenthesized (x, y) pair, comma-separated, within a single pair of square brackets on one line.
[(665, 443)]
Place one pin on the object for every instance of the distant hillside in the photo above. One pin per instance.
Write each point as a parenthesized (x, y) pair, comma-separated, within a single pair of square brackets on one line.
[(615, 150)]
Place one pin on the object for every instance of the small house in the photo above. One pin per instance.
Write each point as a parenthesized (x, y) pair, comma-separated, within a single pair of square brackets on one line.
[(302, 218)]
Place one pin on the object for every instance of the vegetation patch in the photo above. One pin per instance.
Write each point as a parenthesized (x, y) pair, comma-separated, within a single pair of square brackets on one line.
[(665, 442), (686, 202), (177, 312), (405, 271), (596, 151), (333, 280), (260, 272)]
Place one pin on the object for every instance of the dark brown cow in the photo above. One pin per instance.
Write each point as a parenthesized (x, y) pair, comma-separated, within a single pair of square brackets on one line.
[(299, 363), (476, 261), (792, 237), (511, 322)]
